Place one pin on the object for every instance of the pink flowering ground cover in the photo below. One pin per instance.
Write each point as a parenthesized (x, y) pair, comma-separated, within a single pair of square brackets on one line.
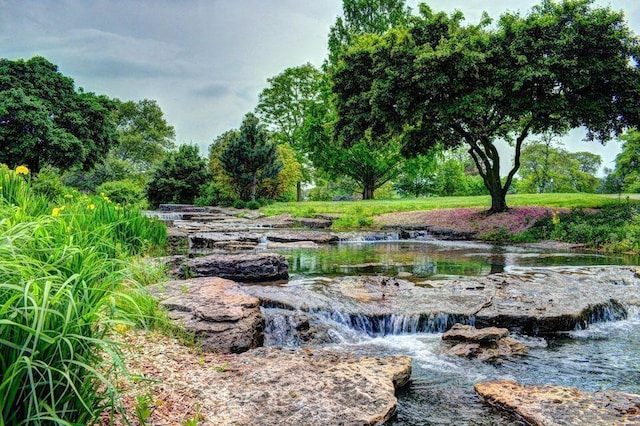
[(472, 220)]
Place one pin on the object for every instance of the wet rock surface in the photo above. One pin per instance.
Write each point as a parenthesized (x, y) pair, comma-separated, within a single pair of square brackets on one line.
[(223, 317), (297, 236), (557, 405), (489, 344), (227, 241), (529, 301), (239, 267)]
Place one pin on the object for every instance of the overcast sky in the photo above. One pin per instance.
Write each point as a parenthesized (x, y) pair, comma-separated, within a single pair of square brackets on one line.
[(204, 61)]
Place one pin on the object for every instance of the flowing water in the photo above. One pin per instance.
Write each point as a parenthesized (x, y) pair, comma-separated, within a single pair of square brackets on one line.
[(604, 356)]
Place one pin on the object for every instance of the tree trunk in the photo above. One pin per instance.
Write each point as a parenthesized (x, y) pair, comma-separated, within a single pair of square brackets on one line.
[(254, 184), (369, 188), (299, 191)]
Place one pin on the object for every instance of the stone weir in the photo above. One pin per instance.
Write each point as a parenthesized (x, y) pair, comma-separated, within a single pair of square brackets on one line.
[(530, 301)]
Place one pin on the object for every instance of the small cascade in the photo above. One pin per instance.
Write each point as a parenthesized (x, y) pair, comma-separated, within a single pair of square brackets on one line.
[(611, 311), (395, 324), (418, 235), (370, 237)]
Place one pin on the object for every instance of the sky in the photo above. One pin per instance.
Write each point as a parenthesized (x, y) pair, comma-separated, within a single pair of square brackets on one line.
[(204, 61)]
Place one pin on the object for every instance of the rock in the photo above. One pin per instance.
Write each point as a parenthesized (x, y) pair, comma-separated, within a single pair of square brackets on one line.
[(295, 245), (177, 241), (468, 333), (557, 405), (527, 301), (223, 317), (295, 236), (278, 221), (489, 344), (307, 222), (238, 267), (228, 241)]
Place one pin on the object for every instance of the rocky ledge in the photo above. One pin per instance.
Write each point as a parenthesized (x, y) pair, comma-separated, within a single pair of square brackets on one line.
[(489, 344), (529, 301), (556, 405), (223, 317), (254, 267)]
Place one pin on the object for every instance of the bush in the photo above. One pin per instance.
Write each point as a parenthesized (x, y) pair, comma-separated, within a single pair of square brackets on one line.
[(123, 192), (239, 204), (213, 194), (253, 205), (49, 184)]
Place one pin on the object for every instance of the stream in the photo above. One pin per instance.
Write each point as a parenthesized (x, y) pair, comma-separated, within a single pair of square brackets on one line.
[(604, 356)]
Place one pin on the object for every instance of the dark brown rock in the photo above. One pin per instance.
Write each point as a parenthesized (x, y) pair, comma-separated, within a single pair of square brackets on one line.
[(227, 241), (177, 241), (295, 236), (557, 405), (223, 317), (238, 267), (307, 222)]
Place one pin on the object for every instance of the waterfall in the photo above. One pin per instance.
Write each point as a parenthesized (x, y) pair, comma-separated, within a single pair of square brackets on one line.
[(610, 311)]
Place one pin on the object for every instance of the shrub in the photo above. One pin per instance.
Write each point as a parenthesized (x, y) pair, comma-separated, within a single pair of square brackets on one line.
[(239, 204), (213, 194), (49, 184), (123, 192), (253, 205)]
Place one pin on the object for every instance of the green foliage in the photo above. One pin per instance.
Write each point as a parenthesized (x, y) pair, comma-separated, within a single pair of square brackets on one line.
[(547, 168), (333, 189), (46, 121), (213, 194), (60, 271), (144, 137), (626, 175), (107, 170), (123, 192), (253, 205), (178, 178), (354, 219), (437, 81), (239, 204), (49, 184), (249, 159)]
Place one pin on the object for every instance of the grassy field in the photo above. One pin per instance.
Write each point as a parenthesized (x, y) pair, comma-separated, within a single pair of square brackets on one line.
[(375, 207)]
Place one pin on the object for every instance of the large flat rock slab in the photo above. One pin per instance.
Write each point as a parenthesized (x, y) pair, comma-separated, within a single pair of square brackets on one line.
[(558, 405), (266, 386), (250, 267), (223, 317), (530, 300)]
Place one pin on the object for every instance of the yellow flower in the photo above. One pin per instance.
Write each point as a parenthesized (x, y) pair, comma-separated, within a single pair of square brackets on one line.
[(106, 199), (62, 207), (55, 212), (22, 170), (68, 229), (91, 206), (68, 196)]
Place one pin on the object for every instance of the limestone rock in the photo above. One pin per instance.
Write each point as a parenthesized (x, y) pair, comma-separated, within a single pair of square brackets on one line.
[(468, 333), (238, 267), (314, 223), (229, 241), (278, 221), (222, 316), (295, 236), (557, 405), (177, 241)]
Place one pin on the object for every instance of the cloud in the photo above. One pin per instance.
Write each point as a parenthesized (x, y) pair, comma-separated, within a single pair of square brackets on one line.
[(212, 91)]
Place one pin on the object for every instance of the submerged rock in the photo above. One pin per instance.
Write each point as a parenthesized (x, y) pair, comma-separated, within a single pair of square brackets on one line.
[(487, 344), (223, 317), (557, 405), (238, 267)]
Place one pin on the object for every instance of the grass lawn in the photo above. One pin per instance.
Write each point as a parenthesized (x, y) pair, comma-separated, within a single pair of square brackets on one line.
[(377, 207)]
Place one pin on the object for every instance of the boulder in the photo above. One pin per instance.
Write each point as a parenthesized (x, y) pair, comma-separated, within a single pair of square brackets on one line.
[(278, 221), (252, 267), (177, 241), (489, 344), (314, 223), (226, 241), (296, 236), (558, 405), (222, 317)]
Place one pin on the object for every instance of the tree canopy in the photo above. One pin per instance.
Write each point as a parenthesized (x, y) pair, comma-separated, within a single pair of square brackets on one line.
[(144, 136), (45, 120), (250, 158), (437, 81)]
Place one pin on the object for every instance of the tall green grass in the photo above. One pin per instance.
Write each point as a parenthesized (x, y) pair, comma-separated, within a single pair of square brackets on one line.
[(61, 269)]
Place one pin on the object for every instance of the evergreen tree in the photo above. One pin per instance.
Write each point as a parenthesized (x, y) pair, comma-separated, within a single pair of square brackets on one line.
[(250, 158)]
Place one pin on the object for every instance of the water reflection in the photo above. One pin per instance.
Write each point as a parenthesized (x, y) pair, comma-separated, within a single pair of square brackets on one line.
[(416, 260)]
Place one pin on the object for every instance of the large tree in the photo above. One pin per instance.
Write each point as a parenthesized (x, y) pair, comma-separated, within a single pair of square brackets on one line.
[(250, 158), (45, 120), (437, 81), (285, 103), (144, 136)]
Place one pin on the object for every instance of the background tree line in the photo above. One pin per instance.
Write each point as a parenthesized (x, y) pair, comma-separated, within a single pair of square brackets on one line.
[(407, 103)]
